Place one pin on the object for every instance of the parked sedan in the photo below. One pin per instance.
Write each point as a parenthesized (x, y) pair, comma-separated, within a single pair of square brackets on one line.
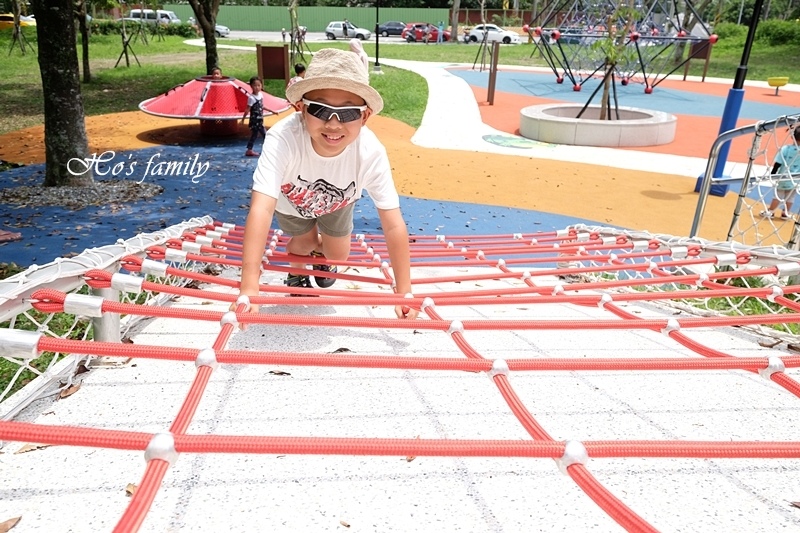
[(391, 28), (335, 30), (415, 32), (493, 33)]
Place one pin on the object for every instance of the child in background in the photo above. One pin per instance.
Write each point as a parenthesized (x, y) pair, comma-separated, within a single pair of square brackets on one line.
[(299, 74), (216, 73), (314, 166), (787, 163), (255, 106)]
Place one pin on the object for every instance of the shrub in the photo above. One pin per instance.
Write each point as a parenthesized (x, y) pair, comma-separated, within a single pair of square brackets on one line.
[(731, 31), (776, 32)]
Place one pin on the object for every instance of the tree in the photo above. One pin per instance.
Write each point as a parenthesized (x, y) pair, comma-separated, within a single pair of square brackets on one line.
[(64, 124), (454, 21), (205, 12)]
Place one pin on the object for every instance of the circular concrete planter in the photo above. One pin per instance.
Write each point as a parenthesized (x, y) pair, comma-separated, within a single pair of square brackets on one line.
[(556, 124)]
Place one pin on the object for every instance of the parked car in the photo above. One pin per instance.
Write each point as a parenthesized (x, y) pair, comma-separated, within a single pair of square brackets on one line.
[(391, 28), (151, 17), (219, 29), (415, 32), (335, 30), (7, 21), (493, 33)]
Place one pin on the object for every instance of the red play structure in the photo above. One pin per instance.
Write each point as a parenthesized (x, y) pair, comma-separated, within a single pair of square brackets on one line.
[(218, 103)]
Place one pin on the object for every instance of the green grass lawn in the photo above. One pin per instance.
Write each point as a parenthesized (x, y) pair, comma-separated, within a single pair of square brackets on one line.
[(169, 62)]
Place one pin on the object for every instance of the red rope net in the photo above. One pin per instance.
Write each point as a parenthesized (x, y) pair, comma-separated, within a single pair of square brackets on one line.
[(618, 285)]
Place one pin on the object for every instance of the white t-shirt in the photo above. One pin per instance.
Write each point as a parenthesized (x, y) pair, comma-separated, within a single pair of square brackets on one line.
[(252, 98), (308, 185)]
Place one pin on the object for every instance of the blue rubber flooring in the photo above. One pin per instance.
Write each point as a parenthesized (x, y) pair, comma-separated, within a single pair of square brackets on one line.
[(223, 192), (663, 99)]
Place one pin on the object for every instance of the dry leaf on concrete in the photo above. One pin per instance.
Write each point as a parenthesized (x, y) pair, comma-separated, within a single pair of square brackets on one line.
[(31, 447), (345, 524), (69, 391), (130, 489), (279, 373), (6, 526), (795, 504)]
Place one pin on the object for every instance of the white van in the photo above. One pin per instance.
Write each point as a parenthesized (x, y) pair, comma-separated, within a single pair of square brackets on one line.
[(151, 17)]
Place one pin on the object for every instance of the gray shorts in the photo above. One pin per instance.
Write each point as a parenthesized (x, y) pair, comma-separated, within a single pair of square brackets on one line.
[(336, 224)]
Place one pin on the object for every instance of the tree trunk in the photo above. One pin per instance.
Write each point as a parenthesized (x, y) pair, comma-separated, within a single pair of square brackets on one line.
[(606, 91), (84, 29), (64, 125), (205, 12), (454, 21)]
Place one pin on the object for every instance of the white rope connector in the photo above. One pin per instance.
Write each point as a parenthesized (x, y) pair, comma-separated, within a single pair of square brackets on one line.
[(604, 299), (499, 367), (376, 258), (427, 302), (215, 234), (279, 232), (126, 282), (190, 247), (385, 265), (776, 292), (726, 260), (557, 289), (450, 245), (463, 249), (243, 299), (229, 317), (19, 344), (774, 364), (672, 325), (204, 240), (172, 255), (640, 245), (534, 242), (364, 245), (370, 250), (360, 237), (526, 275), (788, 269), (574, 453), (501, 263), (267, 254), (440, 238), (679, 252), (702, 278), (206, 357), (606, 240), (83, 304), (161, 446), (651, 266), (455, 327), (612, 258), (480, 255), (517, 236), (582, 237), (154, 268)]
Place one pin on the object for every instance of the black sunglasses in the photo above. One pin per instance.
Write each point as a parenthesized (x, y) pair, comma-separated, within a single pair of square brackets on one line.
[(326, 112)]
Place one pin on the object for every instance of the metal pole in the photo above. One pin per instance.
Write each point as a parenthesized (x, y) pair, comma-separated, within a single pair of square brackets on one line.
[(736, 94), (377, 69)]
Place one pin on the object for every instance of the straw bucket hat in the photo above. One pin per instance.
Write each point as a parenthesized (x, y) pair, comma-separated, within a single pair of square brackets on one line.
[(331, 68)]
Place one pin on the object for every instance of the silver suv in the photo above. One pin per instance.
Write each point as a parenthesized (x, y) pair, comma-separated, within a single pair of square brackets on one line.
[(335, 30)]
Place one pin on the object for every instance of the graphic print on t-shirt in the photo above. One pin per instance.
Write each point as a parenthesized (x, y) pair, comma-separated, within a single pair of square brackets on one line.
[(314, 199)]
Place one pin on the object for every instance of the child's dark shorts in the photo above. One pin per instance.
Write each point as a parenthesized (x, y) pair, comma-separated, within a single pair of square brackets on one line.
[(336, 224)]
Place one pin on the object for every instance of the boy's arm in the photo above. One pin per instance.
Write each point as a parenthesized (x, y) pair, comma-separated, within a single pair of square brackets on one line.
[(256, 231), (396, 234)]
